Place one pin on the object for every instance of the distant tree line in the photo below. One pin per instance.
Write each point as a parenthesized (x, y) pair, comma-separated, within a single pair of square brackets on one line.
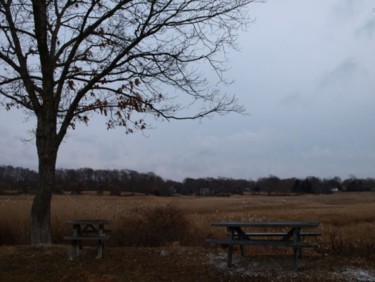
[(116, 182)]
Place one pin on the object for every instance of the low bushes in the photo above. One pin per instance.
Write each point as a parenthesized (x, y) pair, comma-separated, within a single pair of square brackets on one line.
[(8, 234), (151, 226)]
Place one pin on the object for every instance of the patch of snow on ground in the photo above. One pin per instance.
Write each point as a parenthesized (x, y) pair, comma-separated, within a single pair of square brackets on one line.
[(248, 269), (356, 274), (276, 270)]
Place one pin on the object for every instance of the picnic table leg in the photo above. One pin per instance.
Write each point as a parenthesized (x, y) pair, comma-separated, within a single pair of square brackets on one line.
[(76, 244), (241, 236), (231, 234), (296, 234), (77, 233), (300, 253), (100, 242), (242, 250), (230, 254), (296, 256), (100, 249), (299, 239)]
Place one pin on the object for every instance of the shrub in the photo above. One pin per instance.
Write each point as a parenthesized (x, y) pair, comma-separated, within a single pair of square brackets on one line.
[(8, 235), (151, 226)]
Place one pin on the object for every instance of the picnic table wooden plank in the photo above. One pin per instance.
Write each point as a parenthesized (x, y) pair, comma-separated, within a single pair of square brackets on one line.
[(72, 238), (89, 221), (270, 243), (274, 234), (301, 224)]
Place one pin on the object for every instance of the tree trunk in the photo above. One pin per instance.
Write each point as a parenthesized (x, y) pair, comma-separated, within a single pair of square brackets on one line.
[(40, 227), (40, 222)]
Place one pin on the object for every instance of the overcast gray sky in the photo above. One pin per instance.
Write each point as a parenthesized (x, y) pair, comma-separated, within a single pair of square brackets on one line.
[(306, 75)]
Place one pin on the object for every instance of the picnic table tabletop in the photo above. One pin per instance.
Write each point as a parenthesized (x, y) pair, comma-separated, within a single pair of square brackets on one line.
[(295, 224), (89, 221)]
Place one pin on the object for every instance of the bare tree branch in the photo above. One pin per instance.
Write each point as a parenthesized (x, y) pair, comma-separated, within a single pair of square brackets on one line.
[(124, 59)]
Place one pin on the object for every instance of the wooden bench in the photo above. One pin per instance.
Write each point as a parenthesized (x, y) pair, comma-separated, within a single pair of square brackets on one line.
[(297, 246)]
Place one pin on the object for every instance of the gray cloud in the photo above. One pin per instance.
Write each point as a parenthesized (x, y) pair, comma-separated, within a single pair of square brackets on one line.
[(343, 73), (306, 75), (368, 29)]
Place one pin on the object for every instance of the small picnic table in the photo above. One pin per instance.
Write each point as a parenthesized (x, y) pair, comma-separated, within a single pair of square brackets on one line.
[(290, 235), (88, 229)]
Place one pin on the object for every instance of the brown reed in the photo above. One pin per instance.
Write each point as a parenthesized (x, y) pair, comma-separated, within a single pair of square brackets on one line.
[(347, 219)]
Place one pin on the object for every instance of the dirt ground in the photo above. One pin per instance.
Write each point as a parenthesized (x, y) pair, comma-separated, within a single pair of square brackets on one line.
[(173, 263)]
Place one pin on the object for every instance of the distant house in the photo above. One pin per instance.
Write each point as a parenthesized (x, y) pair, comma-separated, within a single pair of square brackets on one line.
[(204, 191)]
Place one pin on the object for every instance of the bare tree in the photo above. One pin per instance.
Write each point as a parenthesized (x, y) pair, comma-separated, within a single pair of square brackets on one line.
[(61, 60)]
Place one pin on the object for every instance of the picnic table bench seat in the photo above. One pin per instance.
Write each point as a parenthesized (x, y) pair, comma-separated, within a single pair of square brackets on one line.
[(74, 238), (270, 243), (278, 234), (88, 231)]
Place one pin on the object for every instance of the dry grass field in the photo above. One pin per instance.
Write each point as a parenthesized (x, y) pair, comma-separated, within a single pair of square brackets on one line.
[(160, 239)]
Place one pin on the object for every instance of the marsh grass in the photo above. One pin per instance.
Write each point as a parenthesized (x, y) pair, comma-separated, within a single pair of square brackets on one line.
[(347, 219), (14, 220)]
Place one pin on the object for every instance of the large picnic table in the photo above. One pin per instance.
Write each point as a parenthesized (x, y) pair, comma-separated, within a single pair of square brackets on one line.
[(88, 229), (289, 234)]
